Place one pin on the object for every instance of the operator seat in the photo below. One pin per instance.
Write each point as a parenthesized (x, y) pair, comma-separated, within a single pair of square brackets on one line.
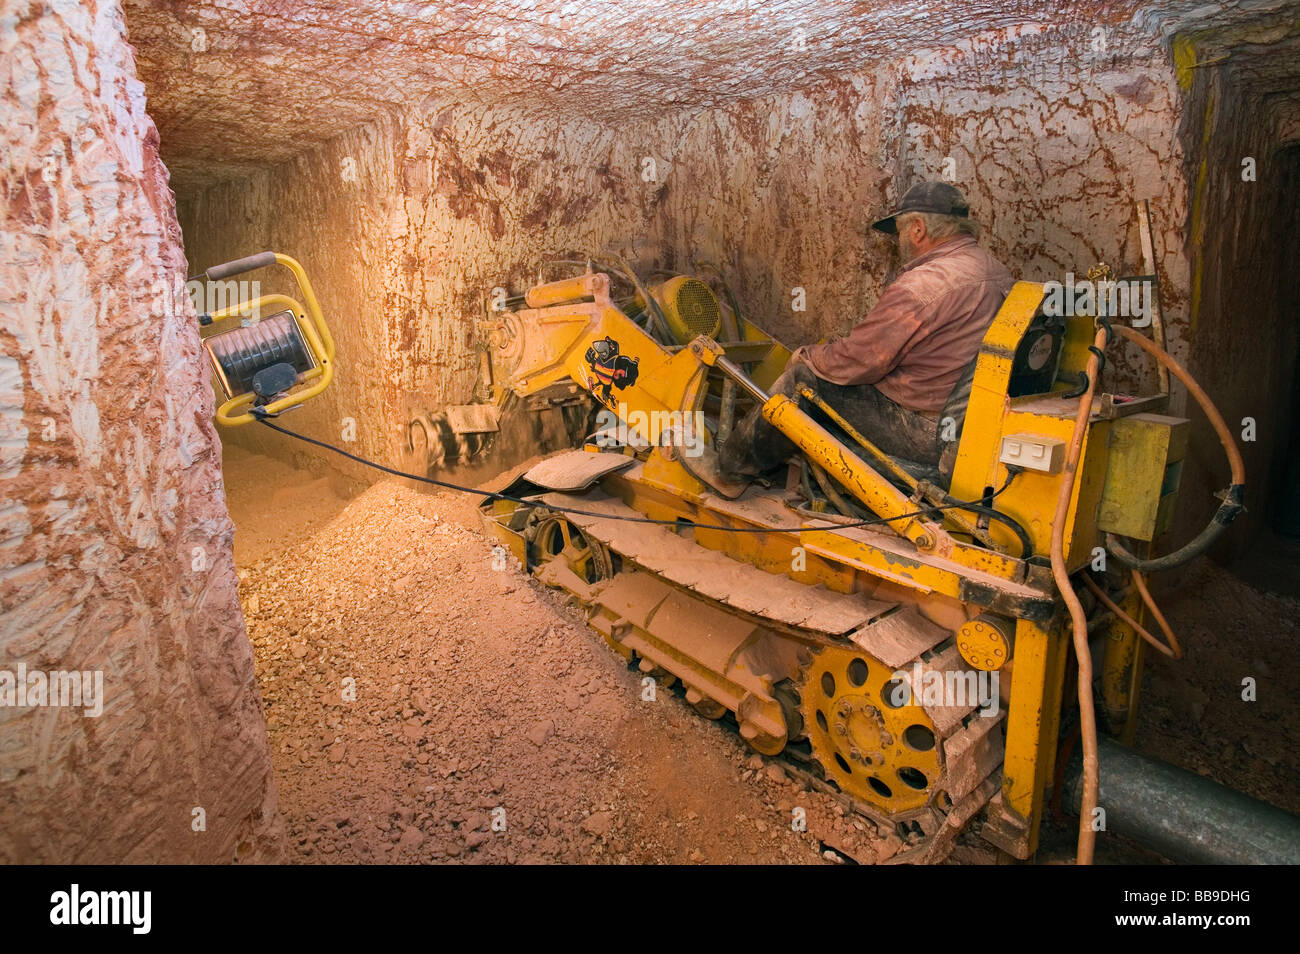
[(954, 408), (1033, 371)]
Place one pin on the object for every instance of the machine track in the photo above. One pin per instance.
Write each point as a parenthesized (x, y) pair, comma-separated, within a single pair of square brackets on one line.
[(833, 684)]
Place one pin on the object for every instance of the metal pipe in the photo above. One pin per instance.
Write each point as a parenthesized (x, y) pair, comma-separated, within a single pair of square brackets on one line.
[(1185, 817), (728, 367)]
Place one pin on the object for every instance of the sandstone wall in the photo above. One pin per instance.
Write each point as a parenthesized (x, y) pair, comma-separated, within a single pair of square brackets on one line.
[(114, 528), (405, 226), (1052, 148)]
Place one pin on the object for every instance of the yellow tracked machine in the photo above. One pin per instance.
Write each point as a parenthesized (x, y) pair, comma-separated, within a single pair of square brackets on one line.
[(900, 635), (895, 634)]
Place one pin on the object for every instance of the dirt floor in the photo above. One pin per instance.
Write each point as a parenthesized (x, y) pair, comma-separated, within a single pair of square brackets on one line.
[(481, 701), (1193, 710), (425, 707)]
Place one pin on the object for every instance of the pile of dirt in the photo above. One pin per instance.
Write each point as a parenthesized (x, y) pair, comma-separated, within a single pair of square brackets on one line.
[(1198, 711), (275, 504), (423, 706)]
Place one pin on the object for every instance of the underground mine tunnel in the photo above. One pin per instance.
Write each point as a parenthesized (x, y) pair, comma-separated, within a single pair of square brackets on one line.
[(812, 432)]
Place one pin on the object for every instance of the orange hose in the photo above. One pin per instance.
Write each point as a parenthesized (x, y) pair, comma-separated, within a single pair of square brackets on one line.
[(1078, 619), (1141, 582), (1079, 627), (1197, 392), (1172, 650)]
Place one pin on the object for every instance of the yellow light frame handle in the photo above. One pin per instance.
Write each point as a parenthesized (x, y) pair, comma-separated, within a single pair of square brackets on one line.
[(236, 411)]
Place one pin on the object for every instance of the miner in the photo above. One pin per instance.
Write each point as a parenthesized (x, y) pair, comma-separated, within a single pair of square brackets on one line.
[(911, 358)]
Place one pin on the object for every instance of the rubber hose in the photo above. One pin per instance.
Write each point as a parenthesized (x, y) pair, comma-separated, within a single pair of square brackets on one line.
[(1172, 649), (1026, 544), (1232, 497), (1078, 619)]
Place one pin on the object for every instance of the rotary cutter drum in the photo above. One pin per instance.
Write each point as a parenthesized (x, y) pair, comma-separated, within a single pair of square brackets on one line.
[(272, 364)]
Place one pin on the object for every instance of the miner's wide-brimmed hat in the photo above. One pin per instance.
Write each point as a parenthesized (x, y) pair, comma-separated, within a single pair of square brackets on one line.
[(937, 197)]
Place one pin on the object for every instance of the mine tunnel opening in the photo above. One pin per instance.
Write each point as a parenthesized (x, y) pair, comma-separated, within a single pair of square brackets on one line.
[(1272, 555), (1244, 202), (422, 664)]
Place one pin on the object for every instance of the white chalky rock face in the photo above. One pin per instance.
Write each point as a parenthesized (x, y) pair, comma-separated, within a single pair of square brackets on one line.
[(417, 157), (232, 88), (99, 392)]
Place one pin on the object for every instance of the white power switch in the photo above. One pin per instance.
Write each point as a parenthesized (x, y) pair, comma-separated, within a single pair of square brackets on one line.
[(1034, 452)]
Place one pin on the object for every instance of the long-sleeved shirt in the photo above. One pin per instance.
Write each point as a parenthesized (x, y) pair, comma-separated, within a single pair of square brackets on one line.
[(926, 327)]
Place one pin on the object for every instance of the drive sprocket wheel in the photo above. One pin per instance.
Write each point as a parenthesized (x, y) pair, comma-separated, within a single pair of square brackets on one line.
[(551, 537), (870, 746)]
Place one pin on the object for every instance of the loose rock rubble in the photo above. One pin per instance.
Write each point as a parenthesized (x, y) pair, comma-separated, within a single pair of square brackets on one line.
[(423, 707), (485, 722), (1226, 710)]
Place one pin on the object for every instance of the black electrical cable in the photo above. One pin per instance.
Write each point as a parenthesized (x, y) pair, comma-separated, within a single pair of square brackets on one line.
[(446, 485), (1026, 544), (1078, 390)]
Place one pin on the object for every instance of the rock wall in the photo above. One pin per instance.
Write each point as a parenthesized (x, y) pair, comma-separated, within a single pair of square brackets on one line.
[(405, 227), (1052, 149), (1243, 165), (783, 189), (117, 559)]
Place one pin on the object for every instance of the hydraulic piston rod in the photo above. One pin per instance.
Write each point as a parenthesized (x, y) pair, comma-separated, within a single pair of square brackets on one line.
[(850, 471)]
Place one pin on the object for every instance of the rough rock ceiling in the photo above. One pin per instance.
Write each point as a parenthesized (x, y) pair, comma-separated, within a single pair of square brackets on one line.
[(239, 83)]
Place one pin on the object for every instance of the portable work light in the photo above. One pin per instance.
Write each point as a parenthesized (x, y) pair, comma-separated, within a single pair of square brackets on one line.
[(269, 366), (265, 358)]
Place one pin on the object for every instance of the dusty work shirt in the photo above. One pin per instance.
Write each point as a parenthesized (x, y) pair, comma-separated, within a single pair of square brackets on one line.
[(925, 329)]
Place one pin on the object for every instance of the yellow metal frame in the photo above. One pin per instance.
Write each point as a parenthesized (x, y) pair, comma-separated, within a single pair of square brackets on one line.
[(557, 335), (948, 580), (551, 341), (236, 411)]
